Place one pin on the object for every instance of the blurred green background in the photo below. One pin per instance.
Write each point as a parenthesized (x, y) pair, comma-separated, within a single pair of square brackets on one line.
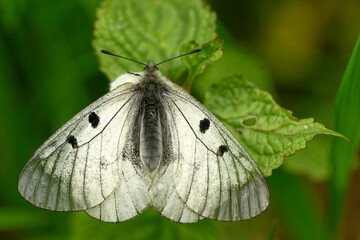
[(297, 50)]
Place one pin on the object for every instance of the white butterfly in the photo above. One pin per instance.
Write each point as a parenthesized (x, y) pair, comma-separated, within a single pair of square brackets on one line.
[(146, 142)]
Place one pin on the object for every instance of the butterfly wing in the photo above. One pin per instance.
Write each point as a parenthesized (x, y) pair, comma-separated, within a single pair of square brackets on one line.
[(165, 199), (130, 197), (214, 175), (77, 168)]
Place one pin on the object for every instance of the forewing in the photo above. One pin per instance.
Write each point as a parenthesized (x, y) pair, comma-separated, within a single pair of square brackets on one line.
[(77, 167), (214, 175)]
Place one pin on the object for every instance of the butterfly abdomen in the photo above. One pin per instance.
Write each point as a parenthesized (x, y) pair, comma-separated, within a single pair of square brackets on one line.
[(151, 140)]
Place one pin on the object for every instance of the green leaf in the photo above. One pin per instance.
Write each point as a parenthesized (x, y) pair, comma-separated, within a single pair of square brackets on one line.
[(267, 131), (347, 119), (150, 30), (196, 63)]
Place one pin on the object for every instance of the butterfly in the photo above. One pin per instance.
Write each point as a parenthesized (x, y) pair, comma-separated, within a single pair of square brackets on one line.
[(147, 142)]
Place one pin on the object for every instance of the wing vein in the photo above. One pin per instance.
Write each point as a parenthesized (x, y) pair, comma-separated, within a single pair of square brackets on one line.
[(84, 180), (191, 126), (52, 172), (37, 184), (59, 184), (206, 114), (220, 181), (100, 172), (207, 181), (70, 180), (229, 190), (192, 175), (116, 208), (100, 132)]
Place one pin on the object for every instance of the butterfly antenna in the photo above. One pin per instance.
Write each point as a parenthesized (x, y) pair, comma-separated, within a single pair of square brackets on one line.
[(109, 53), (194, 51)]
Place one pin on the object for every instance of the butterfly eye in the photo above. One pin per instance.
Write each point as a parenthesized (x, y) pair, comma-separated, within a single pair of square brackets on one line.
[(204, 125), (94, 119), (72, 141), (222, 149)]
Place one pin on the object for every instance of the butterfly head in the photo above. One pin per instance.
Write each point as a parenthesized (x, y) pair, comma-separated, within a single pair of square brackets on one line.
[(150, 67)]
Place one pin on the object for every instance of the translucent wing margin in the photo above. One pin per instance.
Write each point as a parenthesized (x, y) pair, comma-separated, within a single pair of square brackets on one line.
[(214, 175), (77, 168)]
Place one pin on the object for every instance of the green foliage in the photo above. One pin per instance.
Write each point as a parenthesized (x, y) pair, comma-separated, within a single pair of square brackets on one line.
[(347, 119), (196, 63), (269, 132), (151, 30)]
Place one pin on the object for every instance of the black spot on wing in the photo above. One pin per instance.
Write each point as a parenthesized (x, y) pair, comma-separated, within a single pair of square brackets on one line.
[(204, 125), (94, 119), (222, 149), (72, 141)]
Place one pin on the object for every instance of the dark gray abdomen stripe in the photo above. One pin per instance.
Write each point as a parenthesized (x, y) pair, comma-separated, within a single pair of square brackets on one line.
[(151, 142)]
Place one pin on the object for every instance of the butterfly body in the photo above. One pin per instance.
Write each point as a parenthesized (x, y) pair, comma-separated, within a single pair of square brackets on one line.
[(151, 136), (145, 143)]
